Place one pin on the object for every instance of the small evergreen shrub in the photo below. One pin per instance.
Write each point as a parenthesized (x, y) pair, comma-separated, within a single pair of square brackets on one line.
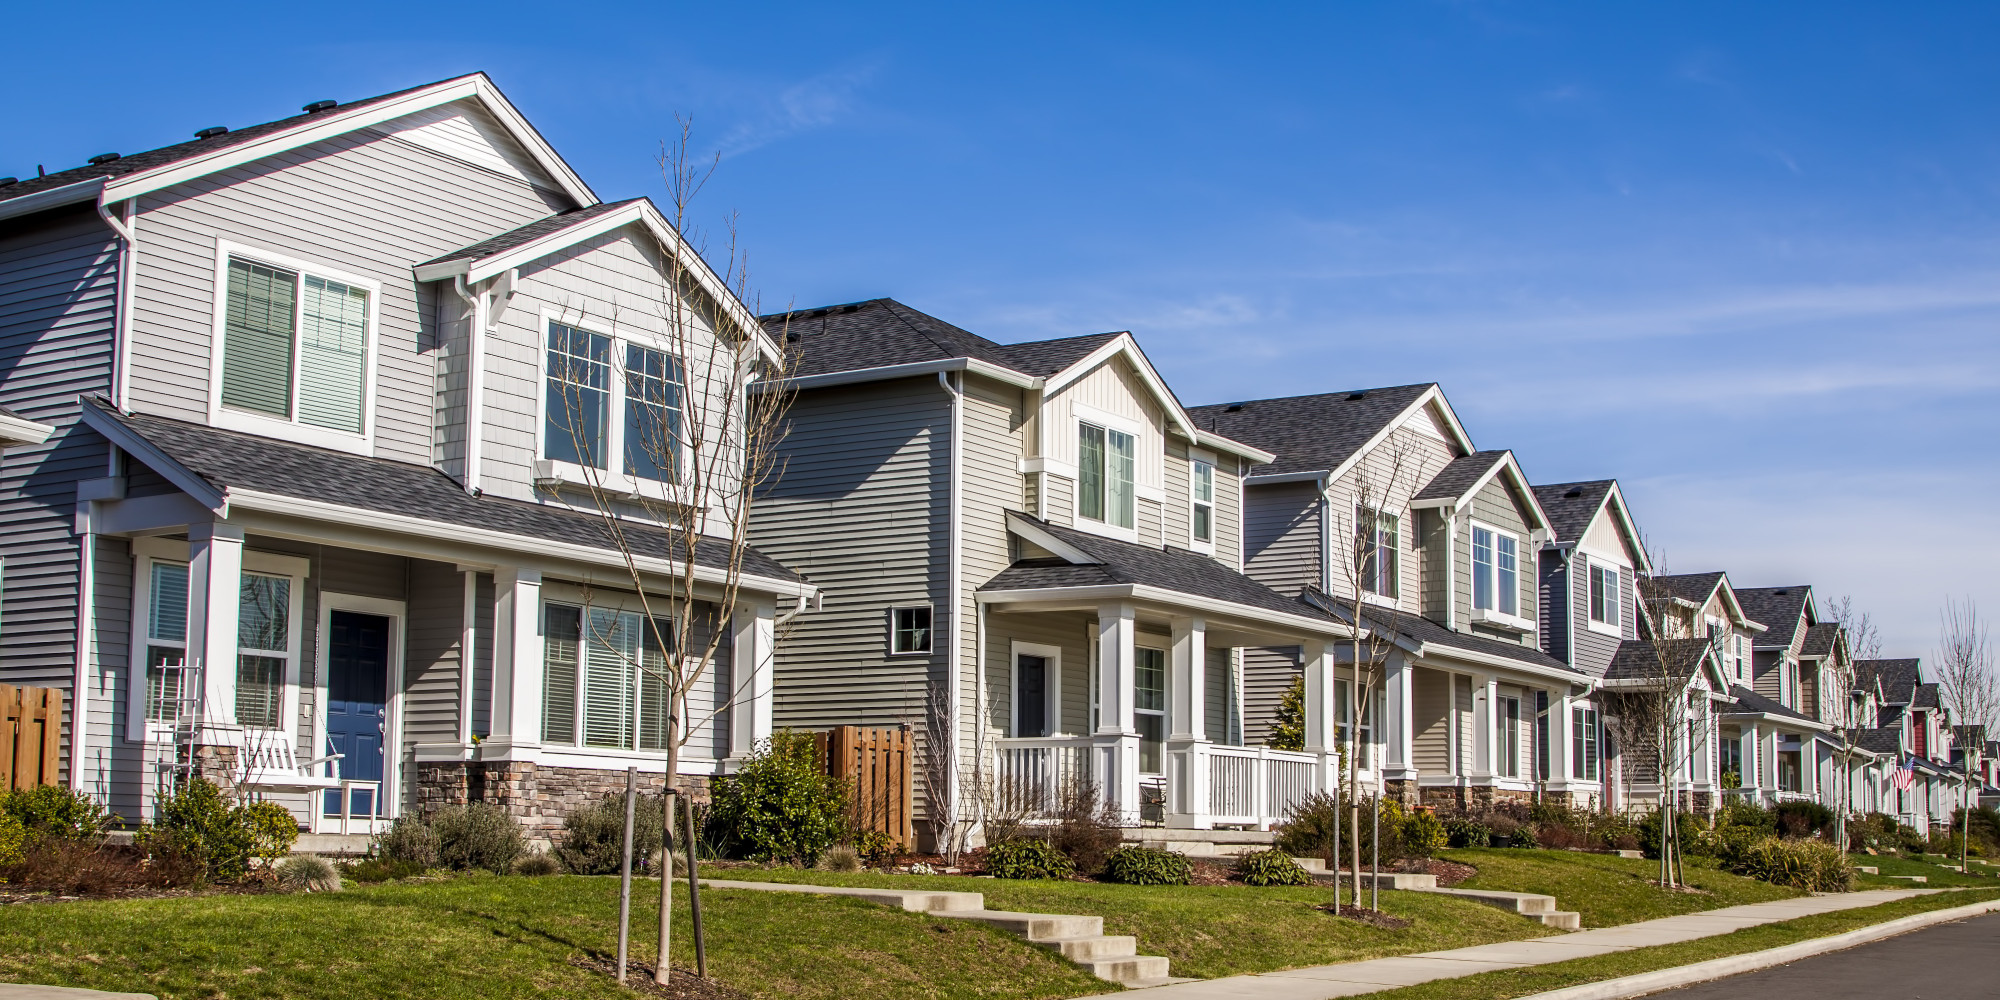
[(537, 864), (1812, 865), (1748, 815), (1272, 867), (1148, 866), (195, 820), (56, 811), (782, 805), (408, 840), (1288, 726), (1424, 834), (381, 869), (1617, 833), (875, 848), (593, 836), (13, 841), (1028, 858), (476, 837), (1525, 836), (1311, 829), (1468, 833), (273, 830), (1690, 834), (308, 873), (1803, 819)]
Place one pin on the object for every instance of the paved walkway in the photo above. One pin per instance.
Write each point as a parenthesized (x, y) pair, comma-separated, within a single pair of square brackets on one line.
[(1323, 982)]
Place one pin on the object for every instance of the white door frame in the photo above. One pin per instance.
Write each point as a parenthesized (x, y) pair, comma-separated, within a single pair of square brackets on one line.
[(1051, 685), (392, 722)]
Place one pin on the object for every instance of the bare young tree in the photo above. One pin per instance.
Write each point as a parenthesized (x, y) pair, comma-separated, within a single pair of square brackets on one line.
[(1661, 719), (675, 503), (1970, 687), (1864, 637)]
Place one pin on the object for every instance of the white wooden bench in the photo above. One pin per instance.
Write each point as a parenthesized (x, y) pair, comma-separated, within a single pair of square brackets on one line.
[(273, 765)]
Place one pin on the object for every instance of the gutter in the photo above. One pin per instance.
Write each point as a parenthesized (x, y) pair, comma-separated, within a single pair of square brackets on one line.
[(940, 366), (68, 194), (1140, 592)]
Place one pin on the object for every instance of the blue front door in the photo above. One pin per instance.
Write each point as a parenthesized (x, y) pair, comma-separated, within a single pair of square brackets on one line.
[(357, 683)]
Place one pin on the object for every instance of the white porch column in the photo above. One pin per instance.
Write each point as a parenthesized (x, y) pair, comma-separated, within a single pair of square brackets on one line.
[(1117, 737), (752, 677), (1398, 694), (215, 598), (1562, 770), (517, 658), (1322, 721), (1485, 735), (1188, 737)]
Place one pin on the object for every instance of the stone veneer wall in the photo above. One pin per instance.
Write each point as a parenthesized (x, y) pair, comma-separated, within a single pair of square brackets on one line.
[(538, 797)]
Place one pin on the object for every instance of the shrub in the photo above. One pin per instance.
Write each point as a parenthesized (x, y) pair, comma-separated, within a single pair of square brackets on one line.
[(13, 840), (1985, 824), (840, 858), (1272, 867), (1689, 833), (1618, 833), (476, 837), (593, 836), (875, 848), (1524, 836), (308, 873), (1873, 832), (194, 819), (537, 864), (1812, 865), (1424, 834), (408, 840), (1148, 866), (382, 869), (1308, 833), (1028, 858), (85, 868), (56, 811), (1288, 726), (1748, 815), (1468, 833), (1802, 819), (782, 805), (1559, 837), (1086, 827), (273, 831)]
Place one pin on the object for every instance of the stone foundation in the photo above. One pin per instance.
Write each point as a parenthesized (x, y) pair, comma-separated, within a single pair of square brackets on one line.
[(217, 763), (1402, 791), (538, 797)]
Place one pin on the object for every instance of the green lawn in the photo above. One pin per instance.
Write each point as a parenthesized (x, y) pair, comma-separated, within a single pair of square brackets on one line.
[(1210, 931), (1939, 877), (1542, 978), (489, 938), (1607, 889)]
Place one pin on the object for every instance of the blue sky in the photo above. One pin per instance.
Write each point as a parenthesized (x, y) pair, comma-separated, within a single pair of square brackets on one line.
[(1743, 258)]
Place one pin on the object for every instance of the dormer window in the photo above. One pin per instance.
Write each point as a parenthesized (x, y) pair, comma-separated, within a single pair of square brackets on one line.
[(1106, 463), (1496, 576), (294, 342)]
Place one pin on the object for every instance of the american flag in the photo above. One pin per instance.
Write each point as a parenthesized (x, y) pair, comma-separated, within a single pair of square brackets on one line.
[(1904, 777)]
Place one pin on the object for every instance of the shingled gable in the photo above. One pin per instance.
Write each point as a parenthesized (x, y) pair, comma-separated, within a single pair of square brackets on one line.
[(1783, 610), (1462, 478), (1322, 435), (883, 339), (1693, 590), (140, 173), (1573, 507), (1749, 702)]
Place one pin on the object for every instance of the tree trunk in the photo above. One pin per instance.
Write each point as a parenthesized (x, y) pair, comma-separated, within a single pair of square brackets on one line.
[(662, 969)]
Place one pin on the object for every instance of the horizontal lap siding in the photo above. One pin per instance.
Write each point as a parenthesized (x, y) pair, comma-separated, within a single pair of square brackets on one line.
[(1385, 479), (1594, 649), (362, 204), (1228, 513), (431, 668), (58, 280), (114, 770), (1558, 599), (1068, 632), (990, 486), (1431, 720), (1281, 536), (1267, 675), (482, 658)]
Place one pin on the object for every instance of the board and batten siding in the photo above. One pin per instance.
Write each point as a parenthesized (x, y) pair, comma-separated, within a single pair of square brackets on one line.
[(363, 203), (1114, 388), (58, 303)]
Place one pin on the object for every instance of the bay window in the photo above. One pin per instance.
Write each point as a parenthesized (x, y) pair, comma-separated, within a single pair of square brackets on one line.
[(295, 343), (591, 412), (1106, 463), (1496, 580)]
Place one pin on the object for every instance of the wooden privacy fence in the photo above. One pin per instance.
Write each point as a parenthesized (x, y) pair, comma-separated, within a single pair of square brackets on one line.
[(31, 738), (878, 762)]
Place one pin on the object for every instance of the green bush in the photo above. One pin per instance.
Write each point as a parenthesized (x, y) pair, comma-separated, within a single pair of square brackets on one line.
[(1028, 858), (382, 869), (1272, 867), (196, 820), (782, 805), (1525, 837), (1689, 832), (56, 811), (273, 830), (1749, 815), (1617, 833), (1812, 865), (1309, 831), (409, 841), (1468, 833), (1985, 825), (1148, 866), (477, 837), (536, 864), (1803, 819), (1424, 835), (13, 841), (593, 837)]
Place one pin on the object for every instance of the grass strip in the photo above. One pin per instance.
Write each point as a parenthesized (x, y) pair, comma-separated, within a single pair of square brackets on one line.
[(1937, 875), (1609, 890), (1543, 978)]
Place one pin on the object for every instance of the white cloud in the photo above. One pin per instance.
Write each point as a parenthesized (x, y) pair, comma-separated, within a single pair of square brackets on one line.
[(812, 103)]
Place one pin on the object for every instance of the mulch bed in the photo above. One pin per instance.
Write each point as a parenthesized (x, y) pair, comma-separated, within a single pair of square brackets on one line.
[(1373, 918), (682, 984)]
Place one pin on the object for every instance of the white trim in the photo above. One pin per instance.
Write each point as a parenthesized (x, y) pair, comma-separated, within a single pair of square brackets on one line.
[(16, 432), (1051, 688), (613, 477), (291, 428), (1195, 461), (152, 457), (1434, 394), (56, 197), (1521, 553), (911, 370), (1031, 466), (1156, 595), (889, 620), (392, 710), (1105, 418)]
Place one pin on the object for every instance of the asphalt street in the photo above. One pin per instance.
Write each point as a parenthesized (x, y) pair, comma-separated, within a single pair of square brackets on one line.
[(1955, 961)]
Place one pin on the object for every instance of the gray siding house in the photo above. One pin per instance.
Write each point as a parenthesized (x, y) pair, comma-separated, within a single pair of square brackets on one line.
[(1030, 556), (307, 518)]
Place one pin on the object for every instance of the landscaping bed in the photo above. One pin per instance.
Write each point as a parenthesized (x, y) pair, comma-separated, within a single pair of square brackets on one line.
[(1607, 889)]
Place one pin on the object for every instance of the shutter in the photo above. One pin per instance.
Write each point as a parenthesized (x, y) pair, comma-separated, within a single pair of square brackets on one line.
[(609, 649), (559, 651), (333, 348), (257, 339)]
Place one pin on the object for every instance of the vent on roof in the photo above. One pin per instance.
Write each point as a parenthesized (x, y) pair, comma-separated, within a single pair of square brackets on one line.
[(792, 338), (1233, 408), (9, 181), (1781, 593), (102, 159), (849, 309), (1352, 396), (212, 131), (1573, 493), (318, 106), (817, 313)]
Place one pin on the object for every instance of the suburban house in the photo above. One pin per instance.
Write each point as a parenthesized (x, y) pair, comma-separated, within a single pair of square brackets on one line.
[(1030, 554), (1377, 498), (1799, 699), (1913, 716), (1734, 736), (318, 394), (1979, 757)]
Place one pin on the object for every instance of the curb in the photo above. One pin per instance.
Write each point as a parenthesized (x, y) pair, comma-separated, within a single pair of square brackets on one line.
[(1653, 982)]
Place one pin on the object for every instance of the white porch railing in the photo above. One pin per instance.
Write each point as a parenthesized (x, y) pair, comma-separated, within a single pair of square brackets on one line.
[(1207, 785), (1034, 775)]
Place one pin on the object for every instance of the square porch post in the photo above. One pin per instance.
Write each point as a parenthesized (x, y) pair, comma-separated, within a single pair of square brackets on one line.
[(1485, 735), (1322, 679), (1188, 726), (517, 658), (1562, 777), (215, 599), (751, 677), (1397, 720), (1117, 737)]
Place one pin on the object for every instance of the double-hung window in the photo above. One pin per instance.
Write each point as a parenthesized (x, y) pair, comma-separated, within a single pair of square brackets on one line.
[(295, 348), (606, 677), (1375, 540), (910, 629), (263, 656), (1509, 712), (1106, 464), (1583, 743), (265, 643), (592, 412), (1203, 491), (1604, 594), (167, 681), (1149, 707), (1496, 580)]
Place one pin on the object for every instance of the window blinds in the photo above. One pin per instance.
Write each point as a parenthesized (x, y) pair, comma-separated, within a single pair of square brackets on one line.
[(257, 339), (563, 626), (333, 349)]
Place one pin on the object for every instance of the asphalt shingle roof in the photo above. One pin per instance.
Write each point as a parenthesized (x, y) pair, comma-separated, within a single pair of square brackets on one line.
[(1643, 659), (1309, 433), (136, 162), (1127, 563), (1780, 609), (1898, 677), (1749, 701), (883, 332), (229, 459), (1458, 475), (1572, 506), (1422, 630), (1927, 696), (529, 233), (1694, 587), (1820, 639), (1882, 739)]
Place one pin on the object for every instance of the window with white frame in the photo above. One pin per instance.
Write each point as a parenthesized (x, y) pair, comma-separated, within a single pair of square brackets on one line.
[(1496, 574), (1508, 712), (1149, 707), (1106, 467), (1583, 742), (266, 644), (1604, 597), (1542, 736), (605, 678), (1346, 732), (263, 657), (605, 396), (1375, 544), (910, 629), (166, 640), (1203, 491), (294, 345)]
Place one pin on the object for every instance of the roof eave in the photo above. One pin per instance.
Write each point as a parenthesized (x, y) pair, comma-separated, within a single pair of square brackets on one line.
[(884, 373), (95, 416), (20, 432), (69, 194)]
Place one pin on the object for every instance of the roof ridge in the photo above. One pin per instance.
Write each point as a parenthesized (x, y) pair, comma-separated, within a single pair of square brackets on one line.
[(1314, 395)]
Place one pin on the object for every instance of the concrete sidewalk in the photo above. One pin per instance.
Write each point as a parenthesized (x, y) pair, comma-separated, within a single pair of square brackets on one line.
[(1323, 982)]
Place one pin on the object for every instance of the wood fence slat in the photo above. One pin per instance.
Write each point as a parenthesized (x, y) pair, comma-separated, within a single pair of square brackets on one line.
[(51, 734), (10, 705), (30, 736)]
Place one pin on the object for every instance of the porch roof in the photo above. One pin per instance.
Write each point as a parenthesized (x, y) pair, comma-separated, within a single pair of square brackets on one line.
[(1887, 740), (1749, 702), (231, 463), (1423, 633), (1642, 660)]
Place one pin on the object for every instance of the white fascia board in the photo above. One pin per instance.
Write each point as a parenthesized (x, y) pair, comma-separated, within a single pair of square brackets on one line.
[(1512, 469), (913, 369), (333, 123), (1285, 477), (1433, 394), (272, 503), (1436, 395), (1299, 625), (1019, 524), (16, 432), (1506, 663), (1783, 721), (1125, 345), (68, 194), (1257, 456), (153, 458), (534, 250), (1633, 539)]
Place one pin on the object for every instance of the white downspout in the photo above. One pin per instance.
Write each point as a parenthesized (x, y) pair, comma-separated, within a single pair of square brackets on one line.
[(127, 230), (475, 381), (86, 640), (953, 664)]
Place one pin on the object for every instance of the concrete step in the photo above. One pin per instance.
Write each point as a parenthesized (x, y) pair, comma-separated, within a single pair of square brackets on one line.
[(1162, 981), (913, 901), (1036, 927), (1090, 949), (1129, 970), (1868, 869), (1524, 903), (1564, 920), (1919, 879), (1316, 867)]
